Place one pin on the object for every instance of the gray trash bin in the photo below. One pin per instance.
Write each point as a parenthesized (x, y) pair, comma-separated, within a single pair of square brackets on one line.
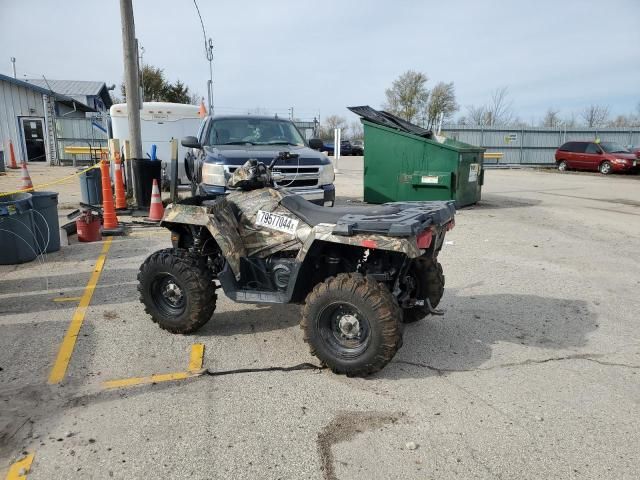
[(91, 187), (45, 219), (16, 229)]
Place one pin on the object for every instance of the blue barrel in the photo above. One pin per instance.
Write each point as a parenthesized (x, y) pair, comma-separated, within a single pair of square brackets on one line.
[(91, 187), (17, 229), (45, 220)]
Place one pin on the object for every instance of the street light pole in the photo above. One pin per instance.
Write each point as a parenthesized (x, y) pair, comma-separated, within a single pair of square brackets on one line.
[(131, 77)]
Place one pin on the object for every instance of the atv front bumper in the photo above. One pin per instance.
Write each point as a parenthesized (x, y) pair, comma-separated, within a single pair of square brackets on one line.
[(324, 195)]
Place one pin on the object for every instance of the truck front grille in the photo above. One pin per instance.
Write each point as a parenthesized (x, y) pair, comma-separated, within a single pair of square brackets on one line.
[(295, 176)]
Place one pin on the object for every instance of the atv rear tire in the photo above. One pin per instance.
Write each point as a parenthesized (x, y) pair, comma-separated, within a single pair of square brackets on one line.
[(429, 278), (177, 290), (351, 324)]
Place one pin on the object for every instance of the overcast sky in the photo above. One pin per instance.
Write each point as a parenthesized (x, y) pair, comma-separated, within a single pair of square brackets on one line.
[(324, 56)]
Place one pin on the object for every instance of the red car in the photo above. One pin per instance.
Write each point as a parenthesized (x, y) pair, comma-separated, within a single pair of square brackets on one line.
[(604, 157)]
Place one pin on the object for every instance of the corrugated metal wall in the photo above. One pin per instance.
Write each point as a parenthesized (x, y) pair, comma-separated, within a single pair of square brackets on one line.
[(17, 101), (78, 132), (534, 145)]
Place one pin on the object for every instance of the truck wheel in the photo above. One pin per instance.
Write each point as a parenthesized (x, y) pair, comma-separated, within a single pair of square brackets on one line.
[(177, 290), (429, 283), (605, 168), (351, 324)]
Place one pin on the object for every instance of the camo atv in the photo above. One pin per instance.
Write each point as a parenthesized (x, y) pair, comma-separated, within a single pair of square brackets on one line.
[(359, 271)]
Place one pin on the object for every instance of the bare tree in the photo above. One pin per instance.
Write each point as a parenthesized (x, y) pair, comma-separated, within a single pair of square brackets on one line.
[(442, 100), (569, 122), (551, 118), (595, 115), (356, 131), (477, 115), (622, 121), (499, 110), (408, 95), (330, 124)]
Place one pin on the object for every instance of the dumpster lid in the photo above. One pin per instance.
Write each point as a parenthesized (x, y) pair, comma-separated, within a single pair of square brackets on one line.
[(389, 120)]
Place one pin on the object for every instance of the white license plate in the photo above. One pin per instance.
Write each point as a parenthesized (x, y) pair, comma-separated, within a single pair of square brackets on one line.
[(274, 221)]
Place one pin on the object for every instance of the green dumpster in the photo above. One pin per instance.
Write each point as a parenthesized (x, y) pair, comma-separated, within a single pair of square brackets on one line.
[(401, 166)]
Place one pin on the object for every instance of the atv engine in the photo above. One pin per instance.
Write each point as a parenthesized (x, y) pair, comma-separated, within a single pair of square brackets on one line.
[(280, 269)]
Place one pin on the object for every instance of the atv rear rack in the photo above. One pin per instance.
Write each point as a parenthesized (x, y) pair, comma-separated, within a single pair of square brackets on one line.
[(413, 218)]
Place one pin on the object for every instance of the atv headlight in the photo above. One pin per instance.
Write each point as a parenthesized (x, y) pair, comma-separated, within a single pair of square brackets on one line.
[(213, 174), (326, 175)]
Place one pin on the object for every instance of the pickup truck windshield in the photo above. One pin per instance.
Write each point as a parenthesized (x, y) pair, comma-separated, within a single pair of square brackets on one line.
[(251, 131)]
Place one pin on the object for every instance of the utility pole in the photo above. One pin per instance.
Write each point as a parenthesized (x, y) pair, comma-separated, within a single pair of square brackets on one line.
[(290, 113), (131, 77), (13, 62)]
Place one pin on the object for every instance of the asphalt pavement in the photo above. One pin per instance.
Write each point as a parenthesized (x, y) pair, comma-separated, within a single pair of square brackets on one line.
[(532, 373)]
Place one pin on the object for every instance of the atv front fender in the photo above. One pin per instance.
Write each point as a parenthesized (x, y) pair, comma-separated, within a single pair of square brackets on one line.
[(218, 219)]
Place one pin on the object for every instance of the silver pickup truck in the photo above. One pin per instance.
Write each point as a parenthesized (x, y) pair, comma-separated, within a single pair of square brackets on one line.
[(224, 143)]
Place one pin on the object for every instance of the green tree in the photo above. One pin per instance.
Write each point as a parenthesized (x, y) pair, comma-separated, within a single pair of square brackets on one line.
[(177, 93), (408, 96), (442, 100), (156, 88)]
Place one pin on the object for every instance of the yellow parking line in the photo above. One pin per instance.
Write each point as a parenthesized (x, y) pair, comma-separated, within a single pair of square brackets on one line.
[(195, 365), (20, 469), (66, 299), (68, 343), (196, 359), (158, 378)]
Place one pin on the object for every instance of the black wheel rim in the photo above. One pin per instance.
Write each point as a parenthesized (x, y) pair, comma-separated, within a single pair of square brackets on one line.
[(168, 294), (344, 329)]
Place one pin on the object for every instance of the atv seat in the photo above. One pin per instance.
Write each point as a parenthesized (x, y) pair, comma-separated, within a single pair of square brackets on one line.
[(313, 214)]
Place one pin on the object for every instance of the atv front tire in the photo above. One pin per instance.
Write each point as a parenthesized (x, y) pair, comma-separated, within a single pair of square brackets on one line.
[(352, 324), (429, 280), (177, 290)]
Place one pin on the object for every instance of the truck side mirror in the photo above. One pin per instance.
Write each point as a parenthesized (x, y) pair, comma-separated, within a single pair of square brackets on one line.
[(315, 144), (190, 142)]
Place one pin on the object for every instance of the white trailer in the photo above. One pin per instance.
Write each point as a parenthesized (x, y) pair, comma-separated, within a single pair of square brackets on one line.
[(159, 123)]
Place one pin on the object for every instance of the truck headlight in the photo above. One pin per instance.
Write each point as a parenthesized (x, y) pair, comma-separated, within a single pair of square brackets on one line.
[(326, 175), (213, 174)]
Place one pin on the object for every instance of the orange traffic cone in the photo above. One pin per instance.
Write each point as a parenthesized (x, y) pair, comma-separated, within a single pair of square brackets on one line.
[(156, 211), (26, 179), (110, 224), (202, 111), (121, 199), (12, 157)]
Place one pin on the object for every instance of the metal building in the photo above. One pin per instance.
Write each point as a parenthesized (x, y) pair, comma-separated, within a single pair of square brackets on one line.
[(27, 119), (531, 145), (90, 93)]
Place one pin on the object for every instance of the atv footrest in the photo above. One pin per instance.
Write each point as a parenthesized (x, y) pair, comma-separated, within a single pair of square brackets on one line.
[(257, 296)]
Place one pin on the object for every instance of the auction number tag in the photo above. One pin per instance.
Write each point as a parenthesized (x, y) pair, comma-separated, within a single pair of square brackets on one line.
[(276, 222), (474, 169)]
